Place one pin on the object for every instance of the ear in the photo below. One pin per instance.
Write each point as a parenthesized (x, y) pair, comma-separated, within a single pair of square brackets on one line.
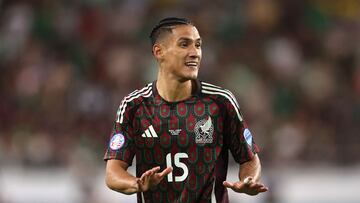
[(157, 51)]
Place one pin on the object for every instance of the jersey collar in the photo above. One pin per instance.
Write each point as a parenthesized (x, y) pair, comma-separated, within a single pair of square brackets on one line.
[(195, 92)]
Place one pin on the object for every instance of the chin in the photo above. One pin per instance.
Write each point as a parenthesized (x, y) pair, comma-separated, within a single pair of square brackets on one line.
[(189, 77), (193, 76)]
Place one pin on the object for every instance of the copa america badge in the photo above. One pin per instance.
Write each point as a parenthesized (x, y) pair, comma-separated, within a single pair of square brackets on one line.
[(248, 136), (117, 141)]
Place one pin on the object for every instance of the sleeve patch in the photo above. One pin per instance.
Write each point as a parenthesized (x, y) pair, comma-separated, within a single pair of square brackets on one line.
[(117, 141), (248, 136)]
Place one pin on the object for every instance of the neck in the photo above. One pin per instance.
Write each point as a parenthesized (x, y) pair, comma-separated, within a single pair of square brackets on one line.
[(173, 90)]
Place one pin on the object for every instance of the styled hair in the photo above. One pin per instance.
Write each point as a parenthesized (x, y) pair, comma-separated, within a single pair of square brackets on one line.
[(165, 26)]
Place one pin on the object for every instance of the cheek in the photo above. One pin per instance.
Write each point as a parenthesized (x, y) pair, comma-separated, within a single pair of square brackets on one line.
[(171, 59)]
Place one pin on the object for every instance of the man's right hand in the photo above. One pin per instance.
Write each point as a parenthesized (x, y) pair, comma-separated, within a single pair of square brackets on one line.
[(118, 179), (151, 178)]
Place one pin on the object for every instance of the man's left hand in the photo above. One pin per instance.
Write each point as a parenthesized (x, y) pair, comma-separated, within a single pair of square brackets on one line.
[(249, 187)]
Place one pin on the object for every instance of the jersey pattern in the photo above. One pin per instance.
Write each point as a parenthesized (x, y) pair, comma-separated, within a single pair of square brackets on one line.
[(192, 136)]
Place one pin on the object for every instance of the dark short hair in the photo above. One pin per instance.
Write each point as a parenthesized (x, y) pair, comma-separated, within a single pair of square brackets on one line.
[(166, 25)]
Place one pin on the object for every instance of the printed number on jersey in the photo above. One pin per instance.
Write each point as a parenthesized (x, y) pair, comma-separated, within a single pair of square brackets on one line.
[(179, 164)]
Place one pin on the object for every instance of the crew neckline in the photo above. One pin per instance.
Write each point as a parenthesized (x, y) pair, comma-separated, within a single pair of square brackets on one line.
[(195, 92)]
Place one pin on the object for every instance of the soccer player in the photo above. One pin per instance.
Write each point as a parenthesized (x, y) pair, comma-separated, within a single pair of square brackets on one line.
[(180, 130)]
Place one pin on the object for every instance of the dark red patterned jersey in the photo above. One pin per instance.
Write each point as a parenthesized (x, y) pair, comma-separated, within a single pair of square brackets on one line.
[(193, 136)]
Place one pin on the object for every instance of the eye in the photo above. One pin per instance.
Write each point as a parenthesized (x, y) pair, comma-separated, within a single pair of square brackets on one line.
[(183, 44), (198, 44)]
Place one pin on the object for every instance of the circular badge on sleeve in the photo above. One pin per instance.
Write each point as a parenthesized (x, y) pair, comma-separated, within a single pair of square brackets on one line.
[(117, 141), (248, 136)]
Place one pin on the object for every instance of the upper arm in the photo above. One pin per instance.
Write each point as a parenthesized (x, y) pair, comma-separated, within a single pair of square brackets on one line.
[(239, 138), (121, 141)]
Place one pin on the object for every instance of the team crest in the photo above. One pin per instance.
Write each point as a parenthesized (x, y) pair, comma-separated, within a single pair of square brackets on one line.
[(204, 130), (117, 141)]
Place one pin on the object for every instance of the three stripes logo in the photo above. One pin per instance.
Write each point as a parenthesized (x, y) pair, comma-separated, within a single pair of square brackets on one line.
[(150, 132)]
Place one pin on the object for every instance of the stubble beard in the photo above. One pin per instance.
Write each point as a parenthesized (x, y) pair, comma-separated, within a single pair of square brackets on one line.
[(189, 76)]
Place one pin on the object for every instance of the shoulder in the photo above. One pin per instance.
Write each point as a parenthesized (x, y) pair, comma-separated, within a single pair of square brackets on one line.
[(218, 92), (138, 94), (132, 100), (223, 96)]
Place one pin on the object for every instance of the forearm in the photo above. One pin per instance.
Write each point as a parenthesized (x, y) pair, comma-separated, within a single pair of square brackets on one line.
[(251, 168), (118, 179)]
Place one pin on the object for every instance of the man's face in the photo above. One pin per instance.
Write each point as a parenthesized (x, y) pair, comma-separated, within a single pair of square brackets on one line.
[(182, 52)]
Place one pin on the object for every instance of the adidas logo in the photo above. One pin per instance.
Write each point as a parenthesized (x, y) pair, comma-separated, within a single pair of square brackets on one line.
[(150, 132)]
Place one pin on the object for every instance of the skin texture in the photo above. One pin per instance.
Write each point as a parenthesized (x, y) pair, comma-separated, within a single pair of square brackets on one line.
[(178, 55)]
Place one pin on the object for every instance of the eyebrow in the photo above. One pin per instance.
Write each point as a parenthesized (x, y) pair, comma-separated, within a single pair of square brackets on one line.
[(188, 39)]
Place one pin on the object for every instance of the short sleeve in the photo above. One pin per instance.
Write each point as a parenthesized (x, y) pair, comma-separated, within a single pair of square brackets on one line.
[(120, 144), (240, 140)]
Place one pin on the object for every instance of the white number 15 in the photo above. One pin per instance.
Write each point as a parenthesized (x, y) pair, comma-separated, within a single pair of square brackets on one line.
[(178, 164)]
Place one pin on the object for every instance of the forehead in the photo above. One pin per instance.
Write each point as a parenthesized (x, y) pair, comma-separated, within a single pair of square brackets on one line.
[(185, 31)]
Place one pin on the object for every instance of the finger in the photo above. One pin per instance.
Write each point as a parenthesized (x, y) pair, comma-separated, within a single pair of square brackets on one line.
[(256, 185), (155, 169), (263, 189), (150, 172), (228, 184), (145, 176), (140, 182), (258, 188), (165, 172)]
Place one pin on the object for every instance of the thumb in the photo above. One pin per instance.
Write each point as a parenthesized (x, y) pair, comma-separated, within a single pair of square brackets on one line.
[(248, 180), (228, 184)]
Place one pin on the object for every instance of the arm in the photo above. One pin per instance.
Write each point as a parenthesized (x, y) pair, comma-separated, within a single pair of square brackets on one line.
[(249, 175), (117, 178), (241, 144), (251, 168)]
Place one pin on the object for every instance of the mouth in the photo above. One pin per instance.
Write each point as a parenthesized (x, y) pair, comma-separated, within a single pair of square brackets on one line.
[(192, 64)]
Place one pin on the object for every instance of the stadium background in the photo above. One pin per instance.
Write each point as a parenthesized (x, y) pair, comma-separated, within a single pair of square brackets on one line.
[(65, 65)]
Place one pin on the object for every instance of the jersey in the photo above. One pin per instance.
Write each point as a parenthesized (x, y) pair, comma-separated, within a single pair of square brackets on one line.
[(192, 136)]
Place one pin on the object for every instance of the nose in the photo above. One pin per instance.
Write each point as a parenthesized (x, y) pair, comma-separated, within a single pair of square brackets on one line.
[(194, 52)]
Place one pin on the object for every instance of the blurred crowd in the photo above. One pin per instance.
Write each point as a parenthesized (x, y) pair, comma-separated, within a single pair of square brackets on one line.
[(65, 65)]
